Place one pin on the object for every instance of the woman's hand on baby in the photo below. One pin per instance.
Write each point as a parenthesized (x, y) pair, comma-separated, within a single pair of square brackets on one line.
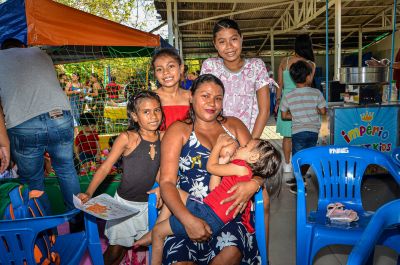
[(242, 193), (197, 229), (84, 197), (156, 191)]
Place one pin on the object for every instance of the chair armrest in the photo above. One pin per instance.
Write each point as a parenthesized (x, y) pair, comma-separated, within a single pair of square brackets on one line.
[(37, 224), (386, 216), (153, 212)]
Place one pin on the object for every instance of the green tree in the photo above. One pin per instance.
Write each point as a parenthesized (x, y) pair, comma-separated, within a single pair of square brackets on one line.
[(115, 10), (139, 14)]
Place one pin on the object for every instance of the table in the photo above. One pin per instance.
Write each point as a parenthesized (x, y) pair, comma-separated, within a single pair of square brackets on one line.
[(103, 140), (115, 113)]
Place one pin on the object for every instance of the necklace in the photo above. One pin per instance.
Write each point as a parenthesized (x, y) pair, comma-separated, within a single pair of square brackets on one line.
[(152, 152)]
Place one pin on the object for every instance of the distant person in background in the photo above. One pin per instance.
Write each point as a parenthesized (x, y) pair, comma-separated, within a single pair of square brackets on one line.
[(186, 83), (302, 51), (113, 90), (87, 141), (99, 102), (132, 88), (192, 76), (63, 79), (74, 89), (272, 93), (92, 91), (303, 106), (38, 119)]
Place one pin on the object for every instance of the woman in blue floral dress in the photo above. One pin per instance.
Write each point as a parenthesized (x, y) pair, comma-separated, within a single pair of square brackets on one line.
[(187, 145)]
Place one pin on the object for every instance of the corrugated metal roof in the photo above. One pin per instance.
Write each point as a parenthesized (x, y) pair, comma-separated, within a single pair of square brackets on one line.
[(257, 18)]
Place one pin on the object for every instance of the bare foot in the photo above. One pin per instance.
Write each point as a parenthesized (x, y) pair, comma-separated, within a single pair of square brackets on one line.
[(144, 241)]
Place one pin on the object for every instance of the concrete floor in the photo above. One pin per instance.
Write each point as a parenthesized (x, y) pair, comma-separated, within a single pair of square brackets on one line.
[(282, 250)]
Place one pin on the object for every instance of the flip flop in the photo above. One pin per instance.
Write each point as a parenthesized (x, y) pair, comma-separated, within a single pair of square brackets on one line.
[(336, 212)]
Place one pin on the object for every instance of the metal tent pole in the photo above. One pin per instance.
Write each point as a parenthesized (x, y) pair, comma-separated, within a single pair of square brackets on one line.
[(326, 52), (392, 52)]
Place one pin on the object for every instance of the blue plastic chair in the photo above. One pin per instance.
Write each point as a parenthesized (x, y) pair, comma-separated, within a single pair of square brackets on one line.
[(385, 225), (339, 171), (259, 223), (153, 212), (396, 155), (18, 238)]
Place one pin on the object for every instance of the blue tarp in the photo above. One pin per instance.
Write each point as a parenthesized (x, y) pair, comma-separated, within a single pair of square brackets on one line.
[(13, 20)]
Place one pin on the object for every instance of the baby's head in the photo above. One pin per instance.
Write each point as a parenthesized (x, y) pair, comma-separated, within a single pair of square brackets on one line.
[(263, 158)]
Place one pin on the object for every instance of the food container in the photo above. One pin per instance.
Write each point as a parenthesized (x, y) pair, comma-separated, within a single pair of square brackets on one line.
[(364, 75)]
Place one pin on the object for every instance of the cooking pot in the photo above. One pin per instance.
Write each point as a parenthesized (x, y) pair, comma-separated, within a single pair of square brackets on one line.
[(364, 75)]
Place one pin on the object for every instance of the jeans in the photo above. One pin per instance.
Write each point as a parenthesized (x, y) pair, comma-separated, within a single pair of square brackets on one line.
[(303, 140), (31, 139)]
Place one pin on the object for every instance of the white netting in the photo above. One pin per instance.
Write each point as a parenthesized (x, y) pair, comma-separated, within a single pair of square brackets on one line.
[(98, 82)]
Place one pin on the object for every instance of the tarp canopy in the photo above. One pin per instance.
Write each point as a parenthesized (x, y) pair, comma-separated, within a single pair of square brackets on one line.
[(71, 35)]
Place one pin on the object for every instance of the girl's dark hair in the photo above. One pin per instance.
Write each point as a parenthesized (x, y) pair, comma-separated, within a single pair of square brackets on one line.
[(303, 47), (299, 71), (226, 24), (269, 162), (170, 52), (206, 78), (133, 106)]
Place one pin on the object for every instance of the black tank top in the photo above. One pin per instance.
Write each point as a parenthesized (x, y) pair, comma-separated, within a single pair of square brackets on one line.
[(140, 169)]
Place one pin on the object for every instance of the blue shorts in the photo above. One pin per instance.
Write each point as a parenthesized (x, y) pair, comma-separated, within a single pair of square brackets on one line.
[(200, 210), (303, 140)]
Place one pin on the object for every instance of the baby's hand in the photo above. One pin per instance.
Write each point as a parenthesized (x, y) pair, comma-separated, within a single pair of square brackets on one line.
[(83, 197), (228, 150), (224, 140)]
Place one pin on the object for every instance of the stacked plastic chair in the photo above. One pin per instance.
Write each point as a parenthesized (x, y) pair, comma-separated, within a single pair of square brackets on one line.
[(259, 222), (18, 239), (384, 225), (339, 171), (396, 155)]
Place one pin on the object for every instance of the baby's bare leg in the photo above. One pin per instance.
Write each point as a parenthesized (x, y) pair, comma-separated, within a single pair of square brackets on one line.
[(158, 235), (165, 213)]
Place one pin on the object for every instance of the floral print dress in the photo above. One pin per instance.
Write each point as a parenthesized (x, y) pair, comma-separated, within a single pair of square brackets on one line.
[(194, 179), (240, 99)]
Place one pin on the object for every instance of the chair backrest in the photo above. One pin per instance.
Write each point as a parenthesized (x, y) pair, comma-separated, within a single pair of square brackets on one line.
[(17, 238), (386, 216), (340, 170)]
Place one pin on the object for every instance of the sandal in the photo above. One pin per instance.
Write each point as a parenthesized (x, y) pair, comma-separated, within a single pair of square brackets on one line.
[(336, 212)]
